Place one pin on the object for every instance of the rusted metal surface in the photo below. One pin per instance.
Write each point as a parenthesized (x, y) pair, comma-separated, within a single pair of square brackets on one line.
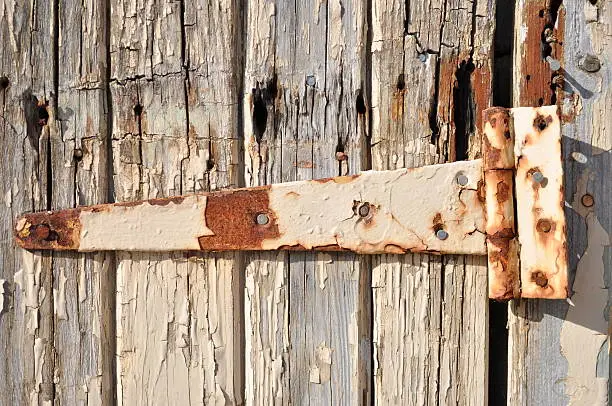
[(498, 165), (539, 199), (431, 209)]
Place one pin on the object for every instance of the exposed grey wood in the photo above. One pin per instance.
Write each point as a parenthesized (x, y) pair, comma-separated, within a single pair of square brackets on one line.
[(305, 68), (83, 284), (558, 352), (431, 67), (174, 127), (26, 318)]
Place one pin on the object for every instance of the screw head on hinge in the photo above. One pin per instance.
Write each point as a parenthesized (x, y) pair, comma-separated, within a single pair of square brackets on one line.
[(262, 219), (442, 234)]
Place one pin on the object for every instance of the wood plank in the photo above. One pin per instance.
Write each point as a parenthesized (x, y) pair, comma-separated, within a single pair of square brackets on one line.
[(170, 116), (431, 69), (84, 285), (558, 351), (27, 122), (304, 87)]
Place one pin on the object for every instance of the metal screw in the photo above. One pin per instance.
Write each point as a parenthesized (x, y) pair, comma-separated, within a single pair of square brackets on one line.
[(441, 234), (553, 63), (422, 57), (587, 200), (42, 232), (78, 154), (262, 219), (537, 177), (364, 210), (462, 179), (590, 63), (311, 80)]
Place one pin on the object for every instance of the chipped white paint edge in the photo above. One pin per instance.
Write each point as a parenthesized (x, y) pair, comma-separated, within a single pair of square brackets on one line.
[(145, 227), (541, 150), (403, 205), (585, 330)]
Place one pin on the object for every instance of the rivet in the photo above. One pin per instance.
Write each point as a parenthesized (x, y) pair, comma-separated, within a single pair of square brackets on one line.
[(441, 234), (78, 154), (42, 232), (4, 82), (587, 200), (590, 63), (462, 179), (262, 219), (543, 226), (537, 177), (364, 209), (539, 278), (311, 80)]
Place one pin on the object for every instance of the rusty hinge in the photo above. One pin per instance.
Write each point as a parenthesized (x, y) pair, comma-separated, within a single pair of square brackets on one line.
[(465, 207)]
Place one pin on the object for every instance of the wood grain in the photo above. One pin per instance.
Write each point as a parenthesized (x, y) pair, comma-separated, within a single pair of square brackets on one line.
[(174, 126), (558, 351), (431, 65), (307, 315)]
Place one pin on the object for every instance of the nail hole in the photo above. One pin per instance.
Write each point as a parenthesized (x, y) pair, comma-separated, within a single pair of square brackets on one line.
[(539, 278), (210, 164), (360, 104), (4, 82), (43, 114), (528, 77), (138, 110), (262, 219), (541, 13), (540, 101), (401, 82), (543, 226)]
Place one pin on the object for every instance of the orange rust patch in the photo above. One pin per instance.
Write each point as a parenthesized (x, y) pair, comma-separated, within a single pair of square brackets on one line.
[(539, 278), (503, 192), (231, 217), (304, 164), (437, 223), (337, 179), (536, 79), (540, 123), (44, 230)]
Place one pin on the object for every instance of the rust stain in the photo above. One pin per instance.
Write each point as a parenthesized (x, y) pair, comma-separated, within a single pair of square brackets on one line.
[(292, 194), (540, 123), (481, 89), (437, 223), (304, 164), (49, 230), (503, 268), (337, 179), (503, 192), (231, 217), (397, 105), (536, 82), (539, 278), (545, 226)]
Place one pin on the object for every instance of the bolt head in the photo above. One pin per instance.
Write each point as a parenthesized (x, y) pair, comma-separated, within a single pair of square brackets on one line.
[(537, 177), (442, 235), (42, 232), (364, 210), (544, 226), (311, 80), (262, 219), (462, 179), (590, 63), (587, 200)]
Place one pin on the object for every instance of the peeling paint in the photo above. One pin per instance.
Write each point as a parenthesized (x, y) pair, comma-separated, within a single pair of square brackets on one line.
[(146, 226), (320, 372), (2, 292), (59, 297)]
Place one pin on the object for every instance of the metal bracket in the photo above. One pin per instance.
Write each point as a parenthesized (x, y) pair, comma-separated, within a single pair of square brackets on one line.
[(462, 207)]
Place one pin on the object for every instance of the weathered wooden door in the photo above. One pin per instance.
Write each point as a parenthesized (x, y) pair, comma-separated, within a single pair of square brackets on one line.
[(118, 100)]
